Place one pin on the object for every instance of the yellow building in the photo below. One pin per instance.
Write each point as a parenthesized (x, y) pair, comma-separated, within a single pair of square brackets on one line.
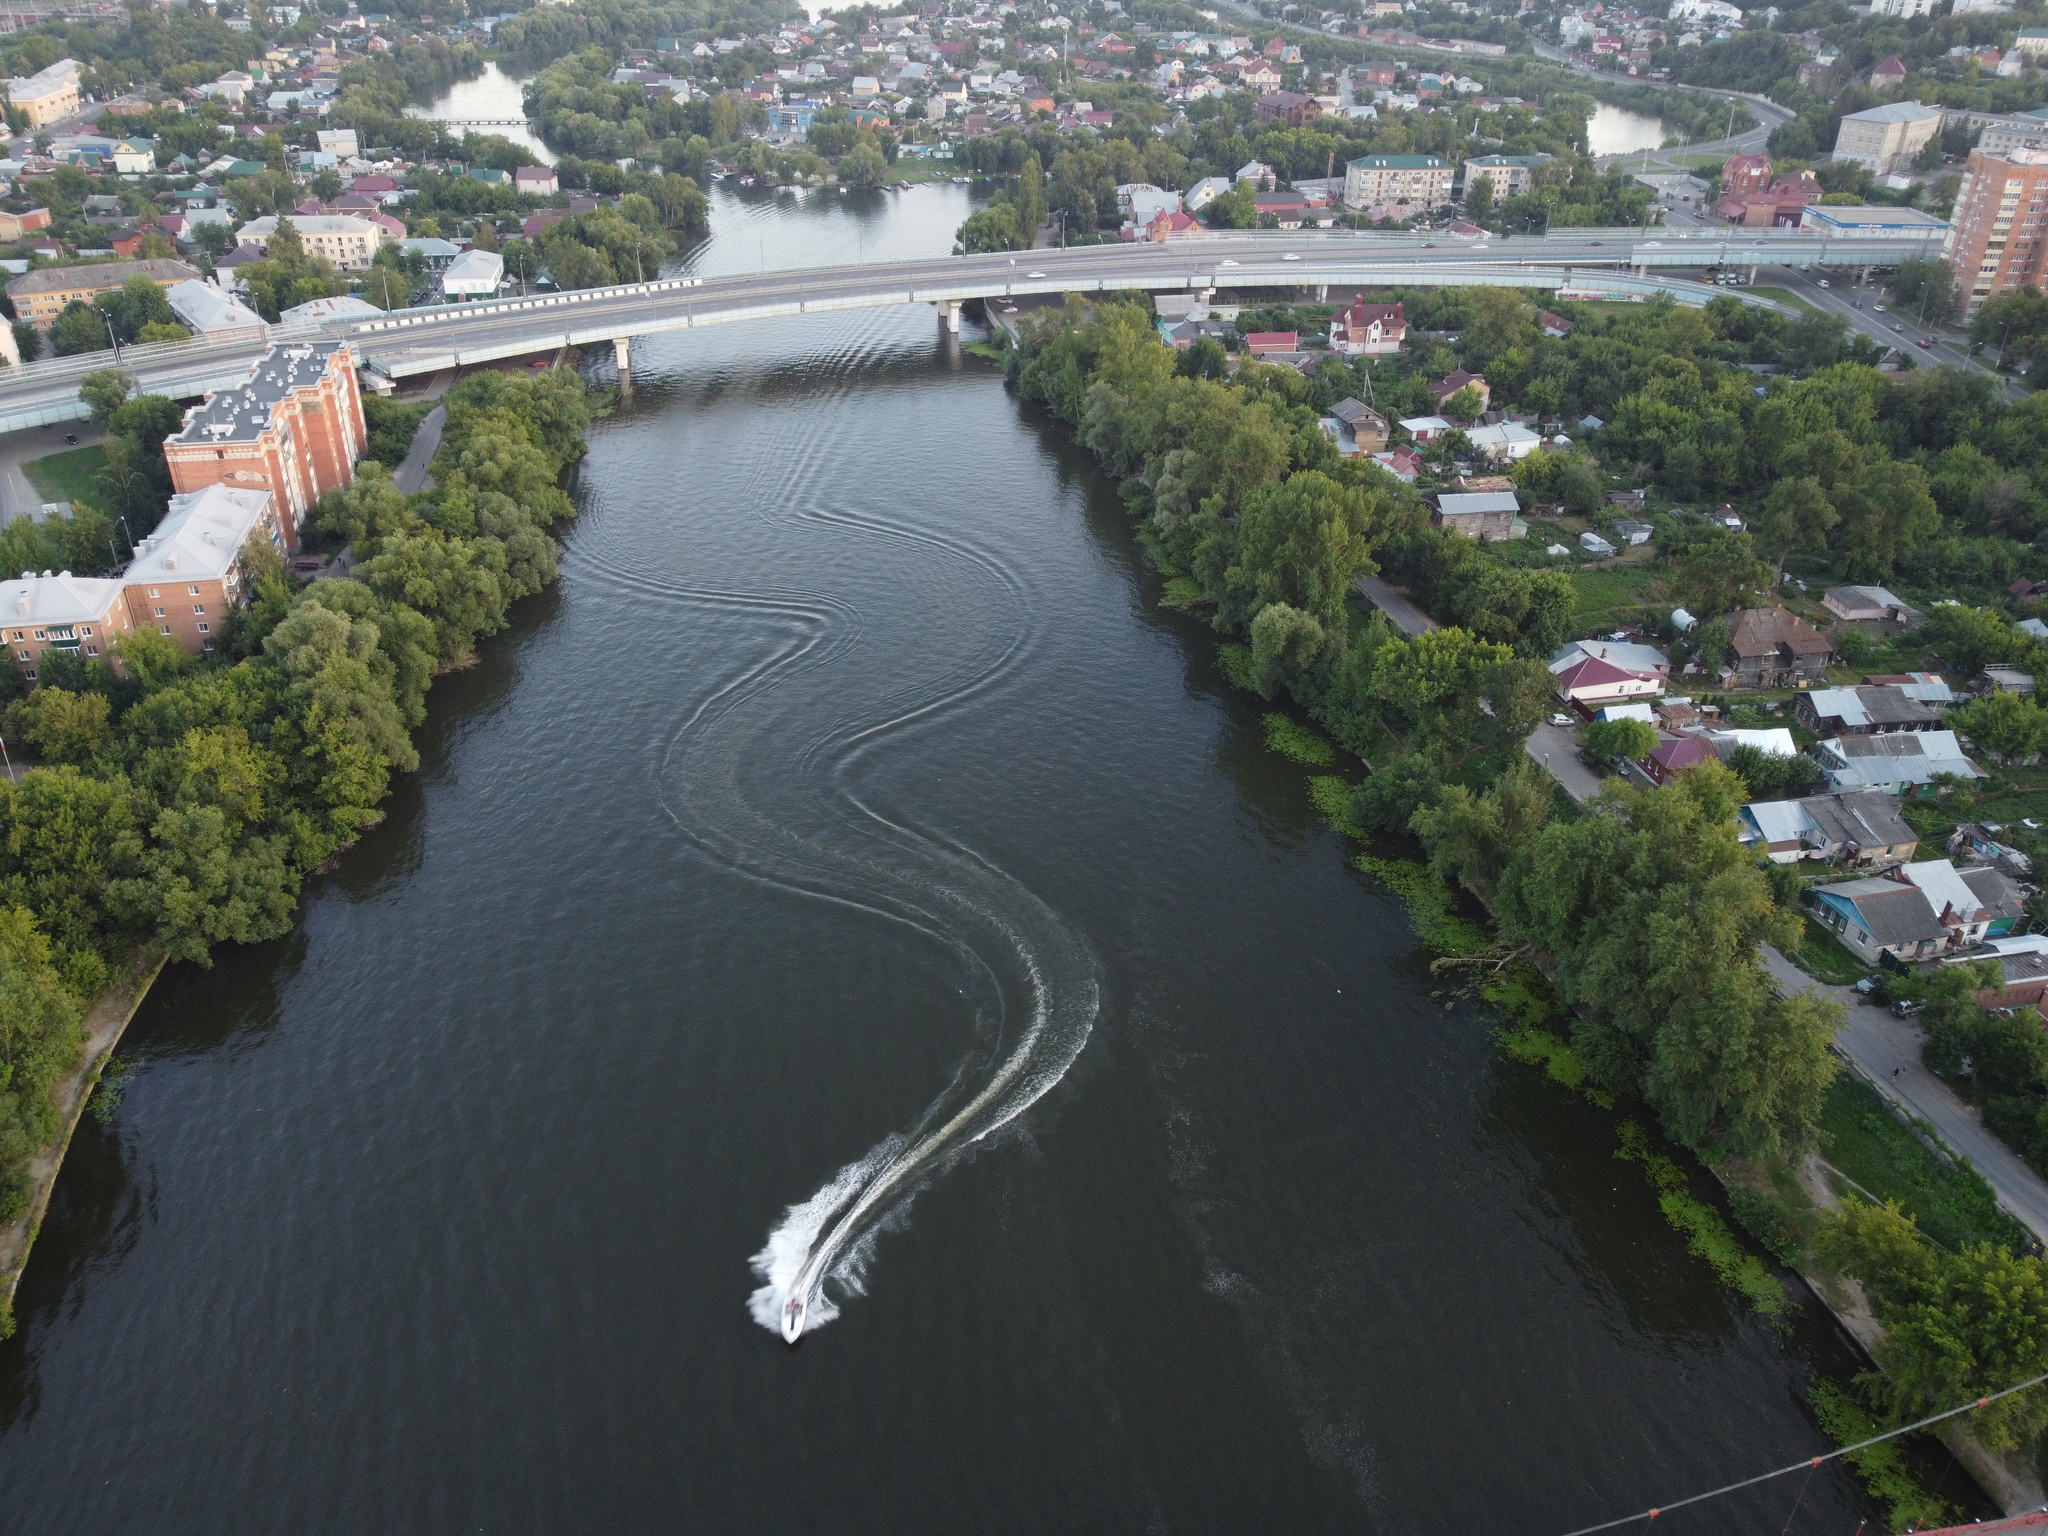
[(40, 296), (47, 96)]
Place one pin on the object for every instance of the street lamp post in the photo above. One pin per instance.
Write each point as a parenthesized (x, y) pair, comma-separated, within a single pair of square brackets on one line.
[(108, 320)]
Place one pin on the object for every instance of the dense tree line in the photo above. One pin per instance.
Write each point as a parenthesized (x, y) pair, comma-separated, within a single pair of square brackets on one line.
[(180, 801), (1648, 909)]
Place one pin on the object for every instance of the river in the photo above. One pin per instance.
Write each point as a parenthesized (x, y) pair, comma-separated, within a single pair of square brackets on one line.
[(492, 102), (852, 738)]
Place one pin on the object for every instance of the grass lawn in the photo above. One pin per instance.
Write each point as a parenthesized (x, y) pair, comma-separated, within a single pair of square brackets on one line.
[(1954, 1206), (1613, 594), (1820, 954), (68, 476), (1787, 296)]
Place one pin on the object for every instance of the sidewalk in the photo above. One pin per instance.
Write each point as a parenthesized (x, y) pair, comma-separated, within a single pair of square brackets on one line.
[(1877, 1044), (411, 474), (1555, 749)]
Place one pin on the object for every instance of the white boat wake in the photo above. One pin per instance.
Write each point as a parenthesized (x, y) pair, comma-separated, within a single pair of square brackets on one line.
[(796, 818)]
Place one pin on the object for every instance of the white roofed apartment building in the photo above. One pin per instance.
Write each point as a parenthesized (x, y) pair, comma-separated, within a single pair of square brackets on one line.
[(80, 614), (187, 575), (472, 276), (48, 95), (1887, 138)]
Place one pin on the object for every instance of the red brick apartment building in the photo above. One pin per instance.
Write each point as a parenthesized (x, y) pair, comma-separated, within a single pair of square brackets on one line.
[(1998, 235), (187, 575), (295, 429)]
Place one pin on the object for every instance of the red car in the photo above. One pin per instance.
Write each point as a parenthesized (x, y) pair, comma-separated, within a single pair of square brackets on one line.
[(1924, 341)]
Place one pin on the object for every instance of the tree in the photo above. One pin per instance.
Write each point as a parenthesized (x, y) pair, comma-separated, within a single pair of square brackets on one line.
[(1970, 638), (1479, 198), (1654, 911), (863, 166), (80, 328), (1465, 405), (1957, 1325), (104, 390), (64, 727), (1607, 740), (1928, 284), (1204, 358), (1303, 542), (1887, 513), (1717, 571), (2010, 727), (1796, 514), (39, 1038)]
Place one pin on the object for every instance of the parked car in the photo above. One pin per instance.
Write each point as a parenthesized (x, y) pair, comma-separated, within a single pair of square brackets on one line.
[(1905, 1009), (1564, 720), (1866, 986)]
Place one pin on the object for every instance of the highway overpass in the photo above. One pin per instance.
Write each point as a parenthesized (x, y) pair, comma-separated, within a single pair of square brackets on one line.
[(412, 342)]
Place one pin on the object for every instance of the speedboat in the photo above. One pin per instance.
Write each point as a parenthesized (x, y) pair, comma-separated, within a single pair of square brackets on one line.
[(792, 1318)]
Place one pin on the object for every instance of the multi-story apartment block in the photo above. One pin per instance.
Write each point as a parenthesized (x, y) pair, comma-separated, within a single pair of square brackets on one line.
[(1887, 138), (47, 96), (295, 430), (1998, 234), (1424, 179), (187, 575), (81, 614), (1511, 175), (41, 296), (347, 241)]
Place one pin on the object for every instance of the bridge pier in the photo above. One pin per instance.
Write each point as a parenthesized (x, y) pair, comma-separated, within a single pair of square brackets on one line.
[(949, 316), (622, 348), (1752, 274)]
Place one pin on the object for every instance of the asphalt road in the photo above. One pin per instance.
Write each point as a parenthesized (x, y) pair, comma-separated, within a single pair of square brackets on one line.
[(1887, 1053)]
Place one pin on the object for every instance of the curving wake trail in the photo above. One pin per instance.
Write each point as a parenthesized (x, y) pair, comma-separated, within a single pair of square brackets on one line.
[(799, 821)]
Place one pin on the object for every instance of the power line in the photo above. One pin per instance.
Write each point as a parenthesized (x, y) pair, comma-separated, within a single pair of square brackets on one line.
[(1810, 1463)]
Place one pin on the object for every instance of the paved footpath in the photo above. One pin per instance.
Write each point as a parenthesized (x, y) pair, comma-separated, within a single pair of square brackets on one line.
[(1879, 1046)]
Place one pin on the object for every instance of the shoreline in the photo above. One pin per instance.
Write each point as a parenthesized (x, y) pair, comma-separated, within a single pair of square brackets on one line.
[(106, 1021)]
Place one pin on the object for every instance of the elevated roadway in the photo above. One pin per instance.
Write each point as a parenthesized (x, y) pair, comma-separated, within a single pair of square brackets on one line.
[(411, 342)]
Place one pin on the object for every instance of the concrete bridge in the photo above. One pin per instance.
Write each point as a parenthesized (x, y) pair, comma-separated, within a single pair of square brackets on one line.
[(411, 342)]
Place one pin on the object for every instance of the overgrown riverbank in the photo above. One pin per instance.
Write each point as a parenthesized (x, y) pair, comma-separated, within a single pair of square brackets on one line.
[(184, 799), (1623, 940)]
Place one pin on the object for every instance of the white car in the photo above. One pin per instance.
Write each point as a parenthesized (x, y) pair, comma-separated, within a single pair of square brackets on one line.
[(1878, 307), (1226, 263), (1560, 719), (1824, 283), (1034, 274), (1290, 256), (1653, 245)]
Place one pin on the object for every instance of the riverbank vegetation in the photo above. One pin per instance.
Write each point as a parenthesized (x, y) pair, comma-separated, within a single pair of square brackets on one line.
[(1623, 946), (180, 802)]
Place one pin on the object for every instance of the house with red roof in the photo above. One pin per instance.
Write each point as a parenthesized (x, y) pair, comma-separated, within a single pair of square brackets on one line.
[(1259, 343), (1593, 682), (1673, 755), (1890, 72), (1367, 330), (1456, 380)]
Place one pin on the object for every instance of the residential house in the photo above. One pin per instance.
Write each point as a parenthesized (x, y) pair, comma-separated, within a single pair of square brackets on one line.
[(1775, 648), (1288, 107), (1901, 762), (41, 296), (1403, 463), (1362, 424), (1287, 209), (2022, 961), (79, 614), (1504, 440), (1172, 224), (1865, 711), (535, 181), (1593, 682), (1862, 827), (187, 574), (1975, 843), (1368, 330), (1672, 756), (1442, 389), (1205, 192), (1261, 343), (294, 429), (1646, 659), (1425, 429), (16, 226), (1915, 911), (1871, 603), (1891, 72), (473, 276), (1631, 532), (1552, 324), (1478, 515)]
